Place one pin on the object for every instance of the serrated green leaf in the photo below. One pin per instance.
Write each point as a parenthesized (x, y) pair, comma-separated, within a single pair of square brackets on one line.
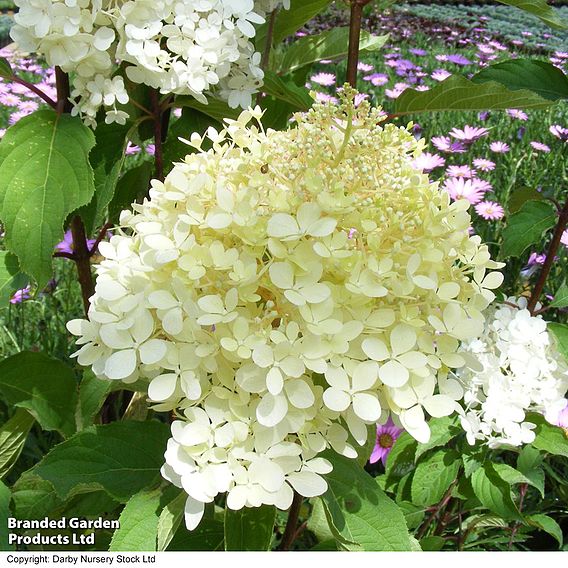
[(560, 297), (11, 279), (494, 493), (537, 76), (215, 108), (45, 387), (45, 174), (290, 21), (520, 196), (549, 438), (459, 93), (413, 514), (121, 458), (400, 460), (547, 524), (540, 9), (138, 523), (131, 187), (107, 159), (527, 226), (331, 44), (92, 394), (442, 430), (13, 434), (529, 464), (284, 89), (513, 476), (5, 498), (317, 522), (360, 512), (249, 528), (208, 535), (433, 476), (33, 497), (5, 69), (170, 520), (560, 332)]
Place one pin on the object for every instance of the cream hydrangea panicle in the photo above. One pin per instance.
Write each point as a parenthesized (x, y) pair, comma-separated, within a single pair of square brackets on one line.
[(517, 369), (282, 292), (187, 48)]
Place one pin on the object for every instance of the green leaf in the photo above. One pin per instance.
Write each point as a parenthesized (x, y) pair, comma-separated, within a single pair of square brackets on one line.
[(537, 76), (92, 394), (527, 226), (131, 187), (459, 93), (215, 108), (45, 174), (400, 460), (529, 464), (520, 196), (513, 476), (540, 9), (432, 543), (11, 279), (33, 497), (138, 523), (13, 436), (249, 528), (107, 159), (433, 477), (547, 524), (5, 69), (413, 515), (331, 44), (170, 520), (549, 438), (290, 21), (561, 297), (317, 522), (494, 492), (207, 536), (442, 430), (359, 511), (560, 332), (286, 90), (122, 458), (43, 386), (5, 498)]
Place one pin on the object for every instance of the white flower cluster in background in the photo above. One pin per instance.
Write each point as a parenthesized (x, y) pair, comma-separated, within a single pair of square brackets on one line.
[(518, 370), (187, 48), (284, 291)]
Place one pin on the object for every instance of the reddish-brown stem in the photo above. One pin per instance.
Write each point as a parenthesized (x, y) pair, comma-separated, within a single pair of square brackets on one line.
[(63, 91), (99, 238), (81, 256), (561, 225), (158, 155), (354, 37), (35, 90), (290, 531), (522, 492), (436, 510), (61, 254)]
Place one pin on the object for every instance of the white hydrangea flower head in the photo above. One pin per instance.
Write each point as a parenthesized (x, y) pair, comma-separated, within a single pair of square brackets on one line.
[(187, 48), (281, 292), (518, 370)]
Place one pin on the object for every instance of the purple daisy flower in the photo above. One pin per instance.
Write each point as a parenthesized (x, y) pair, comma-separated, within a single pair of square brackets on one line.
[(387, 435), (66, 245), (21, 295)]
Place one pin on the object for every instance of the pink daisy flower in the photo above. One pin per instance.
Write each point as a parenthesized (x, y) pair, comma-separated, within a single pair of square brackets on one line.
[(377, 79), (471, 189), (490, 210), (427, 162), (21, 295), (518, 114), (387, 435), (469, 134), (560, 132), (445, 144), (460, 171), (483, 164), (499, 147), (325, 98), (540, 147), (132, 149), (564, 238), (365, 67), (8, 99), (325, 79), (440, 75), (398, 89)]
